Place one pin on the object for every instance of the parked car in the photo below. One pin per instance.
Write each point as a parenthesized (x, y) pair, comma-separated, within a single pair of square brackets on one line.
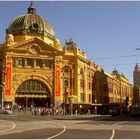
[(135, 111), (114, 112), (6, 111)]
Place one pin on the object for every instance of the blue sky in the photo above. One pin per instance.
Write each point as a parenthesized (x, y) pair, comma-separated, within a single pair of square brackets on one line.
[(108, 31)]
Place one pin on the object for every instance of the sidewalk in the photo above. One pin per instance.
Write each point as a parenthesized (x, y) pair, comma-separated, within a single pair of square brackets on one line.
[(58, 117)]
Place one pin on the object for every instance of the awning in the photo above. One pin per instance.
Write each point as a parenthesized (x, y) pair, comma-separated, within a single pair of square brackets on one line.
[(31, 96), (96, 104)]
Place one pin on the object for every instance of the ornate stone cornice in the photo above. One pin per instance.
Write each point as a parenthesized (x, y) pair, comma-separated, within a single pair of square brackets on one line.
[(25, 46)]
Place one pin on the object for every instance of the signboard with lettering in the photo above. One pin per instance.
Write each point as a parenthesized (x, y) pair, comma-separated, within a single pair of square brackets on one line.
[(8, 78), (57, 82)]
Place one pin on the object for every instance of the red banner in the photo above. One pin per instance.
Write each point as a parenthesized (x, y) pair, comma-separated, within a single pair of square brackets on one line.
[(57, 83), (8, 78)]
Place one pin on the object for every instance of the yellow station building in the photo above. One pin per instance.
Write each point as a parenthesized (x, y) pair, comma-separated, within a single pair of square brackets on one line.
[(36, 69)]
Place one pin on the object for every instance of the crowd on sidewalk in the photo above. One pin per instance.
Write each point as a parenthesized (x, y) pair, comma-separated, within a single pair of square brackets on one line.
[(43, 111)]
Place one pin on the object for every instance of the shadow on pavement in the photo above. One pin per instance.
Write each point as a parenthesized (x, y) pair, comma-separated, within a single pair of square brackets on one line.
[(26, 117)]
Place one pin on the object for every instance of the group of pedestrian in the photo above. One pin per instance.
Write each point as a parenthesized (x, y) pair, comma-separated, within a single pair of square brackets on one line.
[(42, 111), (45, 111)]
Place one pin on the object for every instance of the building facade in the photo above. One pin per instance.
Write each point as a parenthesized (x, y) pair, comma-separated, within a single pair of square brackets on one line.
[(36, 69), (111, 89)]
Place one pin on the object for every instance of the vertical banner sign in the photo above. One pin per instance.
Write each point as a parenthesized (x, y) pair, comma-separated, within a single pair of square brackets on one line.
[(57, 83), (8, 78)]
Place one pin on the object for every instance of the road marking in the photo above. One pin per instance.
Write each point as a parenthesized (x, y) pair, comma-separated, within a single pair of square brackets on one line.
[(113, 131), (64, 129), (12, 127)]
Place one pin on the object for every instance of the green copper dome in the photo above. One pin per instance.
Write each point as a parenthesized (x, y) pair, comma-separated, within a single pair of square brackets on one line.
[(30, 24)]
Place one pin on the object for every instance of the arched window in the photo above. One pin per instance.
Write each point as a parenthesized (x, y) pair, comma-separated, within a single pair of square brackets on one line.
[(33, 86)]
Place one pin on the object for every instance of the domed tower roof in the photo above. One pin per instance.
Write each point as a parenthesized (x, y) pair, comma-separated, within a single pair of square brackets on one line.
[(115, 72), (30, 24)]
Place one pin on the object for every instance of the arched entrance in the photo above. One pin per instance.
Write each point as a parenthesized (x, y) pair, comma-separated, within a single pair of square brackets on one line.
[(33, 92)]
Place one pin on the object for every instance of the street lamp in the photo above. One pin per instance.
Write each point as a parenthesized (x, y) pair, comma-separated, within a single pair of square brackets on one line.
[(2, 94), (80, 109), (53, 84), (2, 85)]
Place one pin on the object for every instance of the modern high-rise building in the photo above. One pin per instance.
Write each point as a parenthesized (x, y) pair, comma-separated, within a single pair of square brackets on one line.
[(37, 70)]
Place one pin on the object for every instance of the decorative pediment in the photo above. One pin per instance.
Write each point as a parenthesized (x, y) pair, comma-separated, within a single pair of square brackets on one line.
[(35, 46)]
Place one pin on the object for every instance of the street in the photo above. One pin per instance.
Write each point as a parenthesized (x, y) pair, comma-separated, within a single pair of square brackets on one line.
[(69, 127)]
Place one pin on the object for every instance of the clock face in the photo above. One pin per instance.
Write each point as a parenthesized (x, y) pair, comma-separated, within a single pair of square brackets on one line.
[(34, 49), (34, 28)]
